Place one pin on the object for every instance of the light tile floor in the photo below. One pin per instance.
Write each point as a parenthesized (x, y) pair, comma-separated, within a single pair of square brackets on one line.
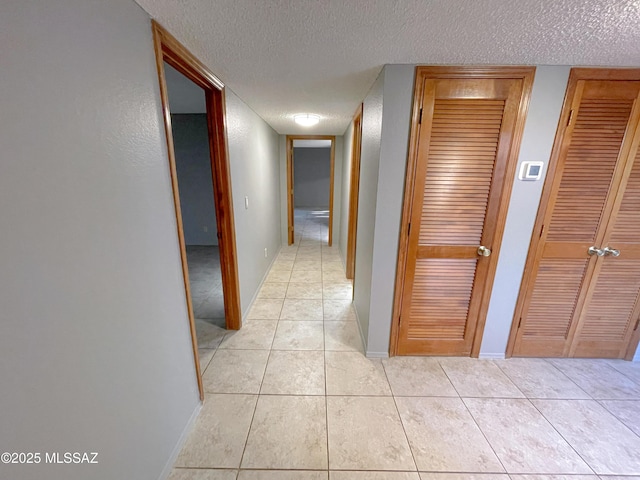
[(292, 397)]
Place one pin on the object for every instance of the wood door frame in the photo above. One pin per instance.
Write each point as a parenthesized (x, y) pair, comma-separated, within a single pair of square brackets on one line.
[(576, 75), (526, 74), (354, 192), (290, 200), (168, 49)]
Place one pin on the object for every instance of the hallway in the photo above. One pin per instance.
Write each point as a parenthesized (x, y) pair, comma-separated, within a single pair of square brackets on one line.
[(291, 396)]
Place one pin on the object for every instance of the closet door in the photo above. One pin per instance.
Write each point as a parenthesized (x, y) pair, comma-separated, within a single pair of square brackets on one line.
[(458, 206), (612, 311), (570, 285)]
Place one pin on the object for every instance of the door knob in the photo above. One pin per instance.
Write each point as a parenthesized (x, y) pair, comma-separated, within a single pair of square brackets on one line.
[(484, 251), (611, 251), (595, 251)]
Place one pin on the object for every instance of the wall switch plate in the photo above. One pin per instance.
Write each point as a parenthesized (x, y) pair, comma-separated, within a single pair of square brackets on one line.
[(530, 171), (246, 203)]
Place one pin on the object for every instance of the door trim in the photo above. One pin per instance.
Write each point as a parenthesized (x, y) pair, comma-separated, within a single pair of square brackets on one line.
[(354, 192), (290, 205), (168, 49), (526, 74), (576, 75)]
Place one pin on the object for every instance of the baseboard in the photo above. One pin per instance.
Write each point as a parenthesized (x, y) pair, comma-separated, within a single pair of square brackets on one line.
[(166, 471), (492, 356), (377, 355)]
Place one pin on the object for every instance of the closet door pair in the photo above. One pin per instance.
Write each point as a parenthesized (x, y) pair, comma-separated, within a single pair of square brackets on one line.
[(581, 289)]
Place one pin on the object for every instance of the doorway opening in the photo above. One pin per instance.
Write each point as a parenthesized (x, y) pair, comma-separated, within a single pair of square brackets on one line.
[(310, 171), (354, 192), (193, 109)]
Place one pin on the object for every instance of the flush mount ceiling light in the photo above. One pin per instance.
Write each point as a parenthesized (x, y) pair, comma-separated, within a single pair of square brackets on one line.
[(306, 119)]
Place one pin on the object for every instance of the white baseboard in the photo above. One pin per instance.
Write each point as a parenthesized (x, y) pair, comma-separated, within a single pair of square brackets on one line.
[(492, 356), (166, 471), (377, 354)]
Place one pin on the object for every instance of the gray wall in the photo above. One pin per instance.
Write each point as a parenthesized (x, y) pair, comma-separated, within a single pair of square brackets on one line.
[(537, 141), (193, 164), (96, 351), (369, 165), (385, 140), (346, 188), (311, 173), (254, 157)]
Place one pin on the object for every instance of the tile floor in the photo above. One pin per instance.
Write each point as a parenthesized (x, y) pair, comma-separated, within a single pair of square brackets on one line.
[(292, 397)]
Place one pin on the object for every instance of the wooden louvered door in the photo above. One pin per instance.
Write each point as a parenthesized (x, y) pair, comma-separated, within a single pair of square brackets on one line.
[(464, 165), (575, 302)]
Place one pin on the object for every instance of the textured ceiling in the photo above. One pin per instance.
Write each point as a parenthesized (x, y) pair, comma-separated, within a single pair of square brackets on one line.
[(285, 56)]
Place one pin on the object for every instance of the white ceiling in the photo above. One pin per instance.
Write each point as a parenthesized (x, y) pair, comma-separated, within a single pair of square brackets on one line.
[(312, 143), (284, 57)]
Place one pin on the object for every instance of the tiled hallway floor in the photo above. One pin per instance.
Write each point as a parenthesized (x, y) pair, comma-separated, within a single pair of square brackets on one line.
[(292, 397)]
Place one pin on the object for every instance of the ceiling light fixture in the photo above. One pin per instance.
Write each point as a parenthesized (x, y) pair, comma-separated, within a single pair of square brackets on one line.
[(306, 119)]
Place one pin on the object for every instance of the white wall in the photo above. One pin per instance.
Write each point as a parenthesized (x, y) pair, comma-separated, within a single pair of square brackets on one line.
[(254, 156), (195, 184), (94, 338), (311, 174), (346, 188), (369, 166)]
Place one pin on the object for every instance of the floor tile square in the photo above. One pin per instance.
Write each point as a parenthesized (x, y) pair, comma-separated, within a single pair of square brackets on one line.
[(478, 378), (338, 310), (306, 276), (282, 475), (208, 335), (265, 309), (306, 291), (537, 378), (288, 432), (278, 275), (598, 378), (254, 335), (523, 439), (202, 474), (235, 371), (273, 290), (464, 476), (220, 432), (343, 336), (354, 475), (417, 376), (294, 373), (608, 446), (355, 425), (292, 335), (628, 369), (351, 373), (627, 411), (205, 355), (444, 437), (338, 290), (298, 309)]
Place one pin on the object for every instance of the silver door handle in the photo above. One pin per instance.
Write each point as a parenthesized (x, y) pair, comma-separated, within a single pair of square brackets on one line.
[(611, 251), (595, 251), (484, 251)]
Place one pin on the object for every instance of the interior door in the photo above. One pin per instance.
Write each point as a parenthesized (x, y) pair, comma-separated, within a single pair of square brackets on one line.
[(580, 300), (462, 180)]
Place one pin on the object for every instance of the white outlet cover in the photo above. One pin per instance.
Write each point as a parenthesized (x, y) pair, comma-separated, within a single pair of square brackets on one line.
[(246, 203)]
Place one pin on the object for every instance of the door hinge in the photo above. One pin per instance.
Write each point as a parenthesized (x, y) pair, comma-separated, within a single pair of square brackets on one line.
[(519, 322), (637, 324), (408, 228), (541, 231), (420, 118), (570, 118), (219, 235)]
